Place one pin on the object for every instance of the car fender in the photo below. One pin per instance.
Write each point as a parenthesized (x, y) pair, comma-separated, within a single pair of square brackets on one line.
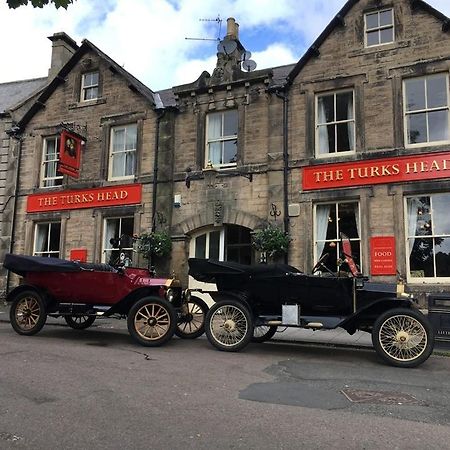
[(373, 310), (28, 287), (240, 296), (124, 305)]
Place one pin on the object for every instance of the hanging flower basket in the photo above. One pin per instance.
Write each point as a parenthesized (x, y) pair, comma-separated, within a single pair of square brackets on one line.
[(271, 240), (157, 243)]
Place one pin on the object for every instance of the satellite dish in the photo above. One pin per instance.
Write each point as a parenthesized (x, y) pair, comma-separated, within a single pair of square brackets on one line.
[(249, 65), (226, 47), (246, 55)]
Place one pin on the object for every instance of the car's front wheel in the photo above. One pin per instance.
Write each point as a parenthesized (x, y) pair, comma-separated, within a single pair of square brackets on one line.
[(263, 333), (79, 322), (151, 321), (191, 325), (403, 337), (229, 326), (28, 313)]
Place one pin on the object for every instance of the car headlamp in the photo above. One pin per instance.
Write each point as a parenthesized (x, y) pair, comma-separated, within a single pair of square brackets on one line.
[(187, 295), (170, 295)]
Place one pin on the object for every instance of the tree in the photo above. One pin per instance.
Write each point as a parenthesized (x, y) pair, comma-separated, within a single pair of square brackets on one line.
[(13, 4)]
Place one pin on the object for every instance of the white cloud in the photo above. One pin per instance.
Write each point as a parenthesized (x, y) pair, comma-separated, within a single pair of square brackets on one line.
[(148, 36)]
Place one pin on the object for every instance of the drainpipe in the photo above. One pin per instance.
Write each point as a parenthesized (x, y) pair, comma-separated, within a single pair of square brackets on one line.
[(159, 117), (284, 97), (15, 195)]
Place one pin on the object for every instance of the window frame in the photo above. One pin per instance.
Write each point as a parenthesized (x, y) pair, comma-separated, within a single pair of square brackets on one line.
[(111, 154), (221, 139), (422, 280), (84, 88), (47, 252), (336, 204), (426, 111), (43, 179), (379, 28), (104, 248), (317, 125)]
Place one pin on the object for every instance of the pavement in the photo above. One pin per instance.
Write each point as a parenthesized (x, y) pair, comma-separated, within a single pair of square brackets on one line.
[(331, 338)]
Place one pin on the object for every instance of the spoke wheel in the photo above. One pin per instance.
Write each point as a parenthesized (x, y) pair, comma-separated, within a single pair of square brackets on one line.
[(28, 313), (151, 321), (229, 326), (403, 337), (79, 322), (263, 333), (192, 322)]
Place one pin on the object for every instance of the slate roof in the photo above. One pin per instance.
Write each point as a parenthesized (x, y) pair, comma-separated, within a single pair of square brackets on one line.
[(14, 92)]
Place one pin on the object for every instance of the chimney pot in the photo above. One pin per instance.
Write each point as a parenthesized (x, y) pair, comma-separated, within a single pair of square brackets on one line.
[(232, 29)]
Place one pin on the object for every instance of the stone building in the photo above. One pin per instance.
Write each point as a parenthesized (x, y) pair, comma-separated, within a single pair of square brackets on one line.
[(368, 142), (351, 139)]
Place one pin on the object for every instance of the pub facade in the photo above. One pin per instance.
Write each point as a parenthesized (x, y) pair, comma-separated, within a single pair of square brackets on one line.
[(353, 139)]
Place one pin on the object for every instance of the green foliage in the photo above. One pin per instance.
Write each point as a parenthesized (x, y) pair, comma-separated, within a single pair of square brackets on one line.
[(157, 243), (13, 4), (271, 240)]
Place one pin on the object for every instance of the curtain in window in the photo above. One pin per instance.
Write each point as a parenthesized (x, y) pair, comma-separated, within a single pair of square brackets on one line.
[(118, 154), (214, 133), (322, 215), (324, 146), (357, 219), (41, 238), (351, 125), (412, 207)]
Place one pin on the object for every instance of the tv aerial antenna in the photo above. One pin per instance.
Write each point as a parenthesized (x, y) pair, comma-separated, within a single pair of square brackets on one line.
[(218, 20)]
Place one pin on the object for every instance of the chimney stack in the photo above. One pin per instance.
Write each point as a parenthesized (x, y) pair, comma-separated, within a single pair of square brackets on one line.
[(63, 47), (232, 29)]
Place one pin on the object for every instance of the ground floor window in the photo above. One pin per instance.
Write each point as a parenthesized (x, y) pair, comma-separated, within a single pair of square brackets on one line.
[(47, 238), (228, 243), (118, 240), (330, 220), (428, 237)]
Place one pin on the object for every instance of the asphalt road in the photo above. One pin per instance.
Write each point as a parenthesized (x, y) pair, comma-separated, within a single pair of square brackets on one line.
[(97, 389)]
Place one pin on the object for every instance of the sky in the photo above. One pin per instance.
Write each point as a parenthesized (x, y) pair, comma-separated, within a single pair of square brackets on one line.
[(148, 37)]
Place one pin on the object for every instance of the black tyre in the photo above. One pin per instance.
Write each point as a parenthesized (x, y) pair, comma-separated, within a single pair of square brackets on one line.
[(263, 333), (192, 323), (229, 326), (28, 313), (151, 321), (403, 337), (79, 322)]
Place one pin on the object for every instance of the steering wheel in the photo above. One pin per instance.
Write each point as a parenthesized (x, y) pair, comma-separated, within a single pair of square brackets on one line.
[(320, 264)]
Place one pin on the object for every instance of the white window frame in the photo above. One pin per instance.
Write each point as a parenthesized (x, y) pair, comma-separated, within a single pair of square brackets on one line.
[(222, 139), (379, 28), (112, 154), (85, 87), (105, 244), (335, 153), (208, 233), (37, 225), (44, 179), (336, 206), (426, 111), (421, 280)]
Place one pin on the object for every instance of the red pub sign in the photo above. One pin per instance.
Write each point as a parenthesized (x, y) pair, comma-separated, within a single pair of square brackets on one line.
[(383, 260), (129, 194), (429, 166)]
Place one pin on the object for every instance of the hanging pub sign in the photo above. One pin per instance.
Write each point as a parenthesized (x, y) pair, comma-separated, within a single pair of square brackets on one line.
[(382, 255), (70, 154)]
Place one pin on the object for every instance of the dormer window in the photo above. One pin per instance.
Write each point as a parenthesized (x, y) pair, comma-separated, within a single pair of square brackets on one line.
[(89, 86), (379, 27)]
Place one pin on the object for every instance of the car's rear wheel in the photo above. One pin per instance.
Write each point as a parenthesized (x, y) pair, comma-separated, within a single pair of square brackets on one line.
[(79, 322), (403, 337), (229, 326), (263, 333), (28, 313), (192, 323), (151, 321)]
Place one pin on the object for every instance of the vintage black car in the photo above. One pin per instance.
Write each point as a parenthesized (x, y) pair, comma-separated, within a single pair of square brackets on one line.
[(253, 301)]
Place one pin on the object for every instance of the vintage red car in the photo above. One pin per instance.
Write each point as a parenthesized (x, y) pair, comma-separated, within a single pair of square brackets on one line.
[(155, 308)]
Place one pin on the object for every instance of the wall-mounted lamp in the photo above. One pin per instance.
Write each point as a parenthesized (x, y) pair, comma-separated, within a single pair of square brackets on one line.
[(187, 177)]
